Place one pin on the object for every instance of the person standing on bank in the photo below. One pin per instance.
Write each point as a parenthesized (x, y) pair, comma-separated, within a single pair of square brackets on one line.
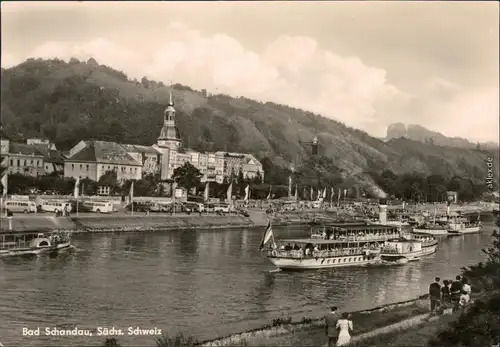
[(331, 326), (455, 291), (435, 294), (345, 326)]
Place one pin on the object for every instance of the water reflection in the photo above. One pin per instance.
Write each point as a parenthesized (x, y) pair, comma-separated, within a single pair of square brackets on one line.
[(203, 283)]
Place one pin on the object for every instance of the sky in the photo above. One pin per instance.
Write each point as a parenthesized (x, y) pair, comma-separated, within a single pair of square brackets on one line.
[(367, 65)]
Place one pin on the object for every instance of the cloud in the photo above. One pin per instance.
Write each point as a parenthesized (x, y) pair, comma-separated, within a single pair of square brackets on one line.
[(291, 70)]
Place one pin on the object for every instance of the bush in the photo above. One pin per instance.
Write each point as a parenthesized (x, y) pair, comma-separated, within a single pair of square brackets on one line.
[(178, 341)]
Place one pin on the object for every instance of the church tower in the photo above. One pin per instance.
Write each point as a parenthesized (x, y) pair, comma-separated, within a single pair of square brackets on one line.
[(169, 135)]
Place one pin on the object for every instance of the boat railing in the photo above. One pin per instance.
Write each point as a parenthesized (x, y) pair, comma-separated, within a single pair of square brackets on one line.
[(299, 254), (367, 237)]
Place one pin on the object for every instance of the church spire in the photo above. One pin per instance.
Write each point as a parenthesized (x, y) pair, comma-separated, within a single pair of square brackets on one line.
[(171, 99)]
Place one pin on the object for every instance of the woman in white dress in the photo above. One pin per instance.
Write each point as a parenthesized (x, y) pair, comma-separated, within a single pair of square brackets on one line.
[(345, 326)]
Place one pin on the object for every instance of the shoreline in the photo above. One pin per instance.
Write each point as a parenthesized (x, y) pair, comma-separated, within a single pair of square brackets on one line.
[(145, 223), (269, 332), (104, 223)]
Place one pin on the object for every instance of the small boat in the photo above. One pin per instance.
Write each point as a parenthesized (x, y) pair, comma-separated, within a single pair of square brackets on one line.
[(32, 243)]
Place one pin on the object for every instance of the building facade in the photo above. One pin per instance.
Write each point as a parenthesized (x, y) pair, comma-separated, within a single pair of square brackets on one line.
[(212, 165), (148, 156), (25, 159), (98, 157)]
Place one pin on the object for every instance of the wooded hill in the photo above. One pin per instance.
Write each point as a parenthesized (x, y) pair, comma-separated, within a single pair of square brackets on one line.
[(68, 102)]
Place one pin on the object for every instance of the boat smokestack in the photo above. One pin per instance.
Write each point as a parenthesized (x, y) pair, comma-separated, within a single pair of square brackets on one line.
[(382, 214)]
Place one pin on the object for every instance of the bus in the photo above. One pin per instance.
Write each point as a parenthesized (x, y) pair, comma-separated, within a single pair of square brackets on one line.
[(98, 206), (56, 206), (20, 206)]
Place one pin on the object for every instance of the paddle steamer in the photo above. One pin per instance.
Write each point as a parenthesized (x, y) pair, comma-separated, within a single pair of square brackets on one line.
[(332, 245)]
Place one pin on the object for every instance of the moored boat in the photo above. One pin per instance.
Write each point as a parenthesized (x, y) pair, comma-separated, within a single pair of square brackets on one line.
[(32, 243), (464, 226), (435, 229)]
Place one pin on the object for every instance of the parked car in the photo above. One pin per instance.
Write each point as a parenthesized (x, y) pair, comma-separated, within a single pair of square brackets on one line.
[(193, 206), (178, 207), (224, 208), (209, 208), (139, 206), (155, 207)]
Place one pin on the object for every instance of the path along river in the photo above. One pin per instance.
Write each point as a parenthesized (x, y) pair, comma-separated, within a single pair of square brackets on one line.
[(204, 283)]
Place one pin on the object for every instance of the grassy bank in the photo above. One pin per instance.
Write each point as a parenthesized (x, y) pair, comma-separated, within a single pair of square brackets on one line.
[(365, 321)]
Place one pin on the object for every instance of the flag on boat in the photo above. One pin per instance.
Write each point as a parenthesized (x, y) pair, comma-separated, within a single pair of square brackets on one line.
[(4, 185), (267, 235), (76, 190), (247, 192), (229, 194), (131, 192), (205, 195)]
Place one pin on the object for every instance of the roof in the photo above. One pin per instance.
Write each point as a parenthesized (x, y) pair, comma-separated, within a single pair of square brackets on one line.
[(104, 152), (24, 149), (357, 225), (250, 159), (140, 149), (49, 155), (169, 133)]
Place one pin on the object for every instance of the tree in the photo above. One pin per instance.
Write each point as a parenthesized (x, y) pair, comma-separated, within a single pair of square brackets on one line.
[(187, 176), (241, 179)]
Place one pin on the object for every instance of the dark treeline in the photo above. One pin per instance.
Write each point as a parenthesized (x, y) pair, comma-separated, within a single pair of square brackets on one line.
[(420, 188), (408, 187)]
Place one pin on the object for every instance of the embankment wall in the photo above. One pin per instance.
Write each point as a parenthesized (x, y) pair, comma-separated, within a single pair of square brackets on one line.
[(110, 223)]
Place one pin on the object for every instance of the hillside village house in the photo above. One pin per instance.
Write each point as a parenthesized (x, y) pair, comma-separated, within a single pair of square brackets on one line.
[(149, 157), (36, 157), (247, 163), (25, 159), (97, 157)]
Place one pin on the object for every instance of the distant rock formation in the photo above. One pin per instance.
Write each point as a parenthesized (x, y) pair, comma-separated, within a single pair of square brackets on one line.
[(416, 132)]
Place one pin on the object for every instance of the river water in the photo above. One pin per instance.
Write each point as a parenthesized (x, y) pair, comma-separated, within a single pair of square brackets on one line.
[(204, 283)]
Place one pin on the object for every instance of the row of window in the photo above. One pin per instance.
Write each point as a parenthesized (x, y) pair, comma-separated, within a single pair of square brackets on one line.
[(115, 168), (332, 261), (26, 162)]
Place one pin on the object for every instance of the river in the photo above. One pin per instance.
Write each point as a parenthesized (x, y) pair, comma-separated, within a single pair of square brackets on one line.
[(204, 283)]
